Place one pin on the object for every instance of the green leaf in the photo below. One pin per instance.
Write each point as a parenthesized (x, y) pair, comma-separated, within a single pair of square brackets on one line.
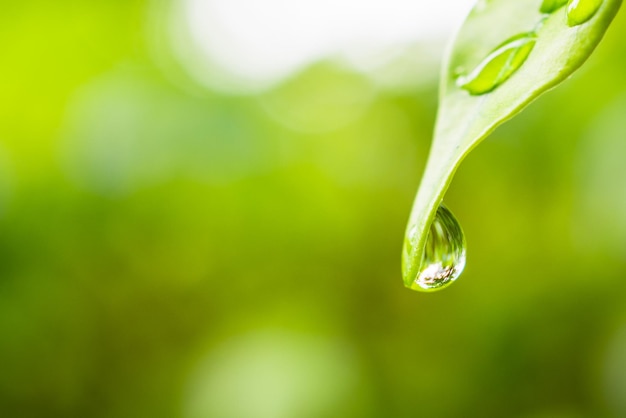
[(475, 99)]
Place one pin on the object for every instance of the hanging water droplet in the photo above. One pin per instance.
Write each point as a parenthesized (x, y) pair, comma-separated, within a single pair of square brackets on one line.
[(443, 258), (499, 65), (551, 6), (580, 11)]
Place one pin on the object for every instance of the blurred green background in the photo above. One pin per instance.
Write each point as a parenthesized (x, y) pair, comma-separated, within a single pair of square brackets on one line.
[(171, 251)]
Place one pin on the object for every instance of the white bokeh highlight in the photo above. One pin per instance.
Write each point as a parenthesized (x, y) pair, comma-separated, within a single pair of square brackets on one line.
[(263, 41)]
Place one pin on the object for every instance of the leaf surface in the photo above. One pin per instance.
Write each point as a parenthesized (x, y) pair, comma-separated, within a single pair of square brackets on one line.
[(465, 119)]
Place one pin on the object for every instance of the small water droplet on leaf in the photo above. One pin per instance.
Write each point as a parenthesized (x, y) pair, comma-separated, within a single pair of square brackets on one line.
[(580, 11), (499, 65), (551, 6)]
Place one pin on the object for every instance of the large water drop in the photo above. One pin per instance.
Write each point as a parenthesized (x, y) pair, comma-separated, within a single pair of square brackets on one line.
[(443, 258)]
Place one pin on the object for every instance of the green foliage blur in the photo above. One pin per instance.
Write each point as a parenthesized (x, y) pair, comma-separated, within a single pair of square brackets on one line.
[(169, 251)]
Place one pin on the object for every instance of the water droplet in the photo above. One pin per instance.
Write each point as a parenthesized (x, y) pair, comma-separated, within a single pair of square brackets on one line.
[(443, 258), (551, 6), (580, 11), (499, 65)]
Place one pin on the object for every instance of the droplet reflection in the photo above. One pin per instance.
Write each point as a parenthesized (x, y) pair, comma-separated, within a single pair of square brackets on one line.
[(443, 258)]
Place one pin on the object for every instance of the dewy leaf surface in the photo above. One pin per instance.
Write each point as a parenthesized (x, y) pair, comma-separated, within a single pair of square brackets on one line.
[(463, 119)]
